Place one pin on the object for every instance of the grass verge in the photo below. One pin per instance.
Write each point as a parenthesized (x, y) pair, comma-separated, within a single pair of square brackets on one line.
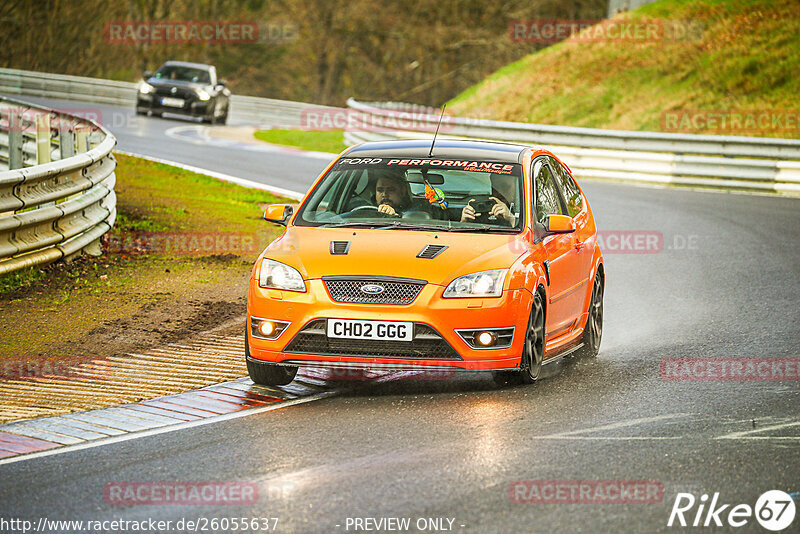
[(743, 60), (318, 141)]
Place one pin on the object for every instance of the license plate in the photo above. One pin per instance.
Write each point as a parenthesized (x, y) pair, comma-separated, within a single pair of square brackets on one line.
[(172, 102), (381, 330)]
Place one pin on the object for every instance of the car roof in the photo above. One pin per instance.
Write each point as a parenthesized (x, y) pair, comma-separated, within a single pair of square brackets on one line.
[(443, 149), (186, 64)]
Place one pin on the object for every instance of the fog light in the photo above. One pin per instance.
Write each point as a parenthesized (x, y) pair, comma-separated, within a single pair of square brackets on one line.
[(266, 328), (486, 339)]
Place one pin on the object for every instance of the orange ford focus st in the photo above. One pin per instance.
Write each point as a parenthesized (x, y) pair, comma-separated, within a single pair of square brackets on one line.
[(469, 256)]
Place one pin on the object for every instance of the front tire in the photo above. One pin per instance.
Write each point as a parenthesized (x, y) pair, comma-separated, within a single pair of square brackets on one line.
[(532, 351), (266, 373), (593, 331)]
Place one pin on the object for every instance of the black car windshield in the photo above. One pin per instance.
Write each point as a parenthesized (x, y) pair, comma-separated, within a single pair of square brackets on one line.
[(418, 194), (183, 74)]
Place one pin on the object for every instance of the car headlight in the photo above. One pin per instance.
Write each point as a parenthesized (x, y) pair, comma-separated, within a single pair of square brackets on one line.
[(276, 275), (482, 284), (145, 88), (203, 95)]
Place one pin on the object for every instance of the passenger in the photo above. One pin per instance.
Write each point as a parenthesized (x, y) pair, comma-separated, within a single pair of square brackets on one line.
[(504, 194)]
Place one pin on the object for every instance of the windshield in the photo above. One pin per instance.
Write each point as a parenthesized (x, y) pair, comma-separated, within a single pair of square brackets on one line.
[(414, 194), (183, 74)]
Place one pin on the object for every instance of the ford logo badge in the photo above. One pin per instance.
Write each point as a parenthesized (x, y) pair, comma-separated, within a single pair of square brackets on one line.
[(372, 289)]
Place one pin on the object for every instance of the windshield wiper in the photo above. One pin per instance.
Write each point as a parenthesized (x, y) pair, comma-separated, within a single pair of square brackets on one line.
[(488, 228), (357, 224), (389, 225), (411, 226), (397, 225)]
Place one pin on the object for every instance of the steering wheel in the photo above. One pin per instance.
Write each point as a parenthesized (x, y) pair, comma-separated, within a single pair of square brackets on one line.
[(417, 214), (359, 211)]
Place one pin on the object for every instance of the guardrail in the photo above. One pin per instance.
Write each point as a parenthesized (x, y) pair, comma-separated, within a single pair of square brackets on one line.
[(57, 195), (281, 113), (728, 162)]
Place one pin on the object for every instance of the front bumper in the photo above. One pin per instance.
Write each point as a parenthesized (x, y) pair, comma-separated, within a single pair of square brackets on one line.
[(192, 107), (432, 315)]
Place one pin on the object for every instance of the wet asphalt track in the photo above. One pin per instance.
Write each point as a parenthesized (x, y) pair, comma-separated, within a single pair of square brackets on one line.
[(725, 285)]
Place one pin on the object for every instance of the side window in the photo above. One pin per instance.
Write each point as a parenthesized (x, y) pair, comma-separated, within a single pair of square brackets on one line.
[(572, 195), (547, 199)]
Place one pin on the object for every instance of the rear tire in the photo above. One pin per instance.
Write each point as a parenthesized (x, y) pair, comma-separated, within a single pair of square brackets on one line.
[(593, 331), (532, 351), (266, 373)]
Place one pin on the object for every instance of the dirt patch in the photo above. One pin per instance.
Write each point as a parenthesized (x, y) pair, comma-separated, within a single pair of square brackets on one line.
[(241, 134), (71, 312), (169, 320)]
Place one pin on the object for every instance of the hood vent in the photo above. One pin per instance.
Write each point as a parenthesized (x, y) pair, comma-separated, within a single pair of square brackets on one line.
[(340, 248), (429, 252)]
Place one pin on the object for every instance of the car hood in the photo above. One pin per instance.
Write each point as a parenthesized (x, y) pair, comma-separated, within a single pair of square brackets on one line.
[(379, 252)]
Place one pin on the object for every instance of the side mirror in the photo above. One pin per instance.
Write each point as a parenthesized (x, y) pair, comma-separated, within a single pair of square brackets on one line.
[(559, 224), (147, 74), (278, 213)]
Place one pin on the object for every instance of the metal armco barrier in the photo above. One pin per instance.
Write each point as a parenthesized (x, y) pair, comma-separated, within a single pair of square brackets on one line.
[(281, 113), (57, 196), (723, 162), (728, 162)]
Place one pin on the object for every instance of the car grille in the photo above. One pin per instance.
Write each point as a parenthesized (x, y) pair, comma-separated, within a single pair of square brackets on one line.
[(428, 344), (182, 92), (397, 291)]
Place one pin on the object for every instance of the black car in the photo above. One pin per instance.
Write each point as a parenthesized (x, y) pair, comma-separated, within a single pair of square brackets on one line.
[(184, 88)]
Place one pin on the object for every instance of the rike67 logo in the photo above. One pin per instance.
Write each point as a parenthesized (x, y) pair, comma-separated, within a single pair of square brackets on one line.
[(774, 510)]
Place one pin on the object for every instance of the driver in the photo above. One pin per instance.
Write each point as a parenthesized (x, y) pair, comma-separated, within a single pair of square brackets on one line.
[(393, 196)]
